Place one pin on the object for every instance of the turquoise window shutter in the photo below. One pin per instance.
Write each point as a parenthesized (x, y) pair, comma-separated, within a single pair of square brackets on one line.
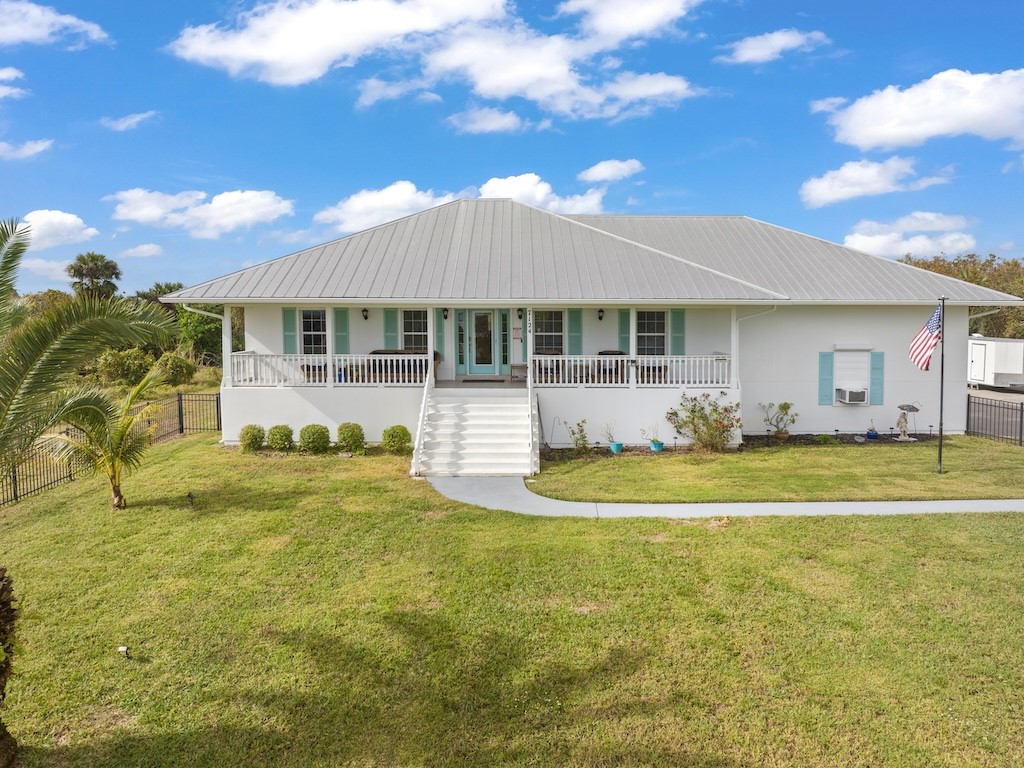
[(877, 378), (290, 336), (391, 329), (826, 390), (341, 330), (678, 320), (624, 331), (439, 331), (575, 331)]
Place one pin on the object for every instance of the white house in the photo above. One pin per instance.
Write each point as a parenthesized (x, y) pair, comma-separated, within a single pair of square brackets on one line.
[(487, 326)]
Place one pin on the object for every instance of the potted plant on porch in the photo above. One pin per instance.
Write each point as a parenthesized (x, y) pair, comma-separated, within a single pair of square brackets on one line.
[(609, 434), (780, 418), (651, 436)]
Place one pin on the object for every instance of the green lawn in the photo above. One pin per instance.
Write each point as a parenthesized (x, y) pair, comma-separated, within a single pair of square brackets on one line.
[(325, 612), (973, 468)]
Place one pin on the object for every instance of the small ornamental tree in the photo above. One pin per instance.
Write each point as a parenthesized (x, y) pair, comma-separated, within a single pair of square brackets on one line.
[(707, 421)]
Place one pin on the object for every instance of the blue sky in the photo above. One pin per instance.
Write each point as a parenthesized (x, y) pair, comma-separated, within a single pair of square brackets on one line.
[(188, 139)]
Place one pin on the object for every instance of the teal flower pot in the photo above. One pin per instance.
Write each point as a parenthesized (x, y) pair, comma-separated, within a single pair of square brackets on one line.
[(656, 446)]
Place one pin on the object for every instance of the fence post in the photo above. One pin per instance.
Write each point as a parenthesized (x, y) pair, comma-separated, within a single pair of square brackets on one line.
[(181, 416), (1020, 426), (217, 403), (14, 482)]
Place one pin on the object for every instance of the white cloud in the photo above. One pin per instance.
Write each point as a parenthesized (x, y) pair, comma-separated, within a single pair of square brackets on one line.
[(863, 178), (26, 150), (51, 270), (903, 236), (499, 56), (128, 122), (831, 104), (144, 251), (52, 228), (370, 207), (7, 74), (289, 43), (951, 103), (224, 213), (26, 22), (486, 120), (771, 45), (614, 20), (610, 170), (529, 188)]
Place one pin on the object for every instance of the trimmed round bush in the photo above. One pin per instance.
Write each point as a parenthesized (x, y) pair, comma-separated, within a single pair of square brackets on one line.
[(280, 437), (177, 369), (351, 438), (315, 438), (250, 438), (396, 439)]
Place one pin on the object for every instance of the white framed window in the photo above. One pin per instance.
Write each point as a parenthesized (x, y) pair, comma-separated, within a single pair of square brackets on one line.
[(651, 332), (548, 332), (314, 332), (414, 329)]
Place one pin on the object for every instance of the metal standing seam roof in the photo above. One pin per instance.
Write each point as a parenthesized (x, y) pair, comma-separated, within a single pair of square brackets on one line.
[(484, 250)]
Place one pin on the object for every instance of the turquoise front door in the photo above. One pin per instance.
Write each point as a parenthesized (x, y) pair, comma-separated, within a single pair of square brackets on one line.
[(482, 342)]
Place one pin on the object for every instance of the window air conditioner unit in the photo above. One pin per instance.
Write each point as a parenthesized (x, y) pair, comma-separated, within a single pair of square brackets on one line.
[(852, 396)]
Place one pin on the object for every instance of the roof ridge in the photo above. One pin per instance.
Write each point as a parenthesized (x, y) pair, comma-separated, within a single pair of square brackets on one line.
[(665, 254)]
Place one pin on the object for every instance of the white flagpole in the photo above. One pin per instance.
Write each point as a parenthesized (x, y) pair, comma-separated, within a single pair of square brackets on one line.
[(942, 372)]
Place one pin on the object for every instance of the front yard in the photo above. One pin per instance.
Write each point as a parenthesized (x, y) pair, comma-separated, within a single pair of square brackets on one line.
[(318, 611)]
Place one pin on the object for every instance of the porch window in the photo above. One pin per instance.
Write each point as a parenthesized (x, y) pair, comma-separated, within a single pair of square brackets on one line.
[(548, 336), (650, 332), (314, 332), (414, 329)]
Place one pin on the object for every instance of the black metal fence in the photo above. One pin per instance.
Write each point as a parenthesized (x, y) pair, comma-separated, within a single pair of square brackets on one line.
[(172, 416), (997, 419)]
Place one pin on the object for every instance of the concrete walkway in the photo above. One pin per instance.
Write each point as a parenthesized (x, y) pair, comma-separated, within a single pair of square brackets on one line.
[(513, 495)]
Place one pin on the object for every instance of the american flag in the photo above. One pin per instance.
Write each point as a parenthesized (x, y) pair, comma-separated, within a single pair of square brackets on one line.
[(927, 339)]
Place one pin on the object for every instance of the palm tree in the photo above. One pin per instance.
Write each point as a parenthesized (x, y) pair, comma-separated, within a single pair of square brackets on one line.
[(111, 440), (38, 352), (94, 275)]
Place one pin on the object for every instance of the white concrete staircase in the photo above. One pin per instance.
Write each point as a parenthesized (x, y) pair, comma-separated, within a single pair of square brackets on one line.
[(478, 432)]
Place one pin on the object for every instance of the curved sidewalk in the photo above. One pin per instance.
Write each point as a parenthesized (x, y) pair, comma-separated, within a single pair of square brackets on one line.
[(513, 495)]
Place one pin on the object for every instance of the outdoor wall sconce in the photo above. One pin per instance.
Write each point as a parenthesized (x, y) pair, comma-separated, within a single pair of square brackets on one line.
[(444, 313), (519, 313), (600, 314), (366, 314)]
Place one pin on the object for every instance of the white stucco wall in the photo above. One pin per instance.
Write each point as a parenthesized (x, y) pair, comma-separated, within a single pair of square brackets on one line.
[(779, 361), (375, 408)]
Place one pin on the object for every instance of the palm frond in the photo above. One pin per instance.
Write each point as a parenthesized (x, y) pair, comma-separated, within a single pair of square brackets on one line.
[(14, 240)]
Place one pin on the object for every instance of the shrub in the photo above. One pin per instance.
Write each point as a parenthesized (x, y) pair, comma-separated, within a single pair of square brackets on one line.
[(177, 370), (8, 613), (250, 439), (779, 417), (396, 439), (578, 435), (315, 438), (280, 437), (707, 421), (826, 440), (123, 367), (351, 438)]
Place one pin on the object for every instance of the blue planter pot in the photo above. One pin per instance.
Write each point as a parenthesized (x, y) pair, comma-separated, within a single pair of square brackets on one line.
[(615, 447), (656, 446), (872, 435)]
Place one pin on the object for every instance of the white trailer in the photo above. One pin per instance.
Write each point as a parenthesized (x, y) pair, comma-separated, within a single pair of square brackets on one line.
[(995, 362)]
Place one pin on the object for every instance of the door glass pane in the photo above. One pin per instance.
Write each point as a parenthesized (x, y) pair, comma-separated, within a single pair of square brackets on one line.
[(483, 348)]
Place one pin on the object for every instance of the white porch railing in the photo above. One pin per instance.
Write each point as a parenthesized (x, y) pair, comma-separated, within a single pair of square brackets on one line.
[(255, 370), (623, 371)]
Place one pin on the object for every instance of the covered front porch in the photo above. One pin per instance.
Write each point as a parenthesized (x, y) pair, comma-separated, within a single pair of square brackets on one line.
[(344, 347)]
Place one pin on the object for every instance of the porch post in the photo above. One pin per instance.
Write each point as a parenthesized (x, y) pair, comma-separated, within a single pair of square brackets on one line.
[(225, 347), (734, 365), (329, 373), (632, 371), (430, 343), (528, 320)]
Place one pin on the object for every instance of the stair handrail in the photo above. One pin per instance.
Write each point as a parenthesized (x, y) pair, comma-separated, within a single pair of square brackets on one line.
[(534, 407), (417, 449)]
